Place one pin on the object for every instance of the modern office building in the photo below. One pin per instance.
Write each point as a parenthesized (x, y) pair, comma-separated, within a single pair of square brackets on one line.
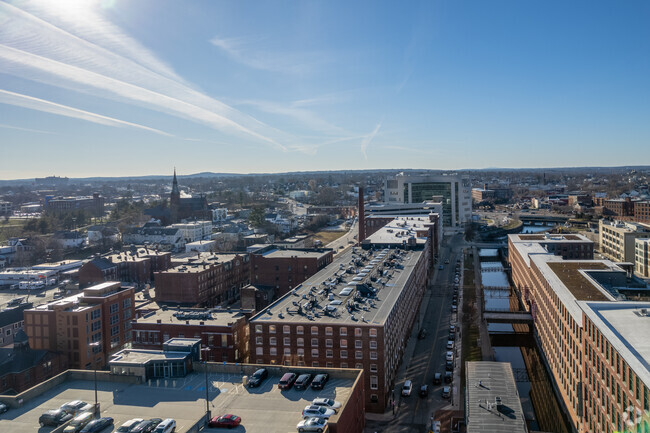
[(357, 312), (617, 239), (99, 314), (454, 191)]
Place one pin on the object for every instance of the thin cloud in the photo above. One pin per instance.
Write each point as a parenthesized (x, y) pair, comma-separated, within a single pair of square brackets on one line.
[(32, 103), (367, 139), (18, 128), (95, 58)]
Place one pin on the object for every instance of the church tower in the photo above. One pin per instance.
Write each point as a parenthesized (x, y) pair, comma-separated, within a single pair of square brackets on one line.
[(174, 200)]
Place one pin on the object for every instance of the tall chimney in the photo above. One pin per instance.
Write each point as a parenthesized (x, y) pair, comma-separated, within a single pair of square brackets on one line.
[(362, 217), (485, 187)]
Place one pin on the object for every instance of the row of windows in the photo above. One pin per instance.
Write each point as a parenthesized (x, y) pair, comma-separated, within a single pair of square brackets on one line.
[(286, 329), (315, 353), (273, 341)]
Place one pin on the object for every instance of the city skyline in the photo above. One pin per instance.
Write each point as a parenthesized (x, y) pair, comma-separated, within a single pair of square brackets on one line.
[(116, 88)]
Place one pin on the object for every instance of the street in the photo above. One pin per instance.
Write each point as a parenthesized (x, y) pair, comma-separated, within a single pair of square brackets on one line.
[(425, 357)]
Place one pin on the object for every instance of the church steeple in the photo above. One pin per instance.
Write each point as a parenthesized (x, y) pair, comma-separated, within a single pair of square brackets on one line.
[(174, 200), (175, 184)]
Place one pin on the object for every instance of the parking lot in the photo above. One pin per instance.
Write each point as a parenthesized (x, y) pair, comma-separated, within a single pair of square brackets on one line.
[(263, 409)]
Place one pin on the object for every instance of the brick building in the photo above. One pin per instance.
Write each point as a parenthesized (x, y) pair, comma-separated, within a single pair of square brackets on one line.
[(94, 205), (357, 312), (133, 266), (284, 269), (223, 332), (618, 207), (22, 367), (203, 279), (100, 313), (12, 321)]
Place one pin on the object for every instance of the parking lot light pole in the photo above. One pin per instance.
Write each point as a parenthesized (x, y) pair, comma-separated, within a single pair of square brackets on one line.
[(93, 346)]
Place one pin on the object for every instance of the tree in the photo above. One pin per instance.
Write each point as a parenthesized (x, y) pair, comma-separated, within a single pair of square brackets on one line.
[(256, 217)]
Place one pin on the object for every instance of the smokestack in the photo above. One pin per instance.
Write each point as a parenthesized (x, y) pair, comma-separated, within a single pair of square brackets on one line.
[(485, 187), (362, 217)]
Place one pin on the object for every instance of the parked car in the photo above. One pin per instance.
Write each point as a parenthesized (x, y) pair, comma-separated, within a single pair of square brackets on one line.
[(129, 425), (319, 381), (454, 308), (449, 356), (446, 392), (441, 267), (257, 378), (76, 407), (228, 421), (422, 334), (3, 408), (424, 390), (450, 344), (312, 424), (315, 411), (449, 376), (98, 425), (449, 366), (328, 403), (146, 426), (407, 388), (166, 426), (287, 380), (447, 262), (303, 381), (452, 328), (54, 417), (437, 379), (79, 422)]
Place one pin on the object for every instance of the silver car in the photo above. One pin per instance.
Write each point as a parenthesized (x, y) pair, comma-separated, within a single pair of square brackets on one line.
[(312, 424), (315, 411)]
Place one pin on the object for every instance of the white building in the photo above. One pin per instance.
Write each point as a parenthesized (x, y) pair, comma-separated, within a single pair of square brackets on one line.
[(16, 276), (172, 236), (219, 215), (195, 231), (201, 246), (642, 257), (454, 191), (616, 239)]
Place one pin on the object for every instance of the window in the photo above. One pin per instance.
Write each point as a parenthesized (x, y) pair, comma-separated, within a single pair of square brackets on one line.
[(374, 382), (258, 329), (126, 303), (314, 342), (358, 332), (373, 332), (343, 331), (373, 355), (273, 341), (373, 344), (344, 343), (314, 364), (301, 352), (314, 330), (273, 351), (115, 330), (258, 341), (271, 329), (259, 351), (95, 314), (329, 353), (344, 354), (114, 308), (286, 329), (96, 325), (314, 353), (287, 351), (358, 354), (300, 341), (329, 331), (329, 343), (300, 330), (115, 318), (373, 368), (358, 366), (287, 341), (344, 365), (358, 344), (127, 314)]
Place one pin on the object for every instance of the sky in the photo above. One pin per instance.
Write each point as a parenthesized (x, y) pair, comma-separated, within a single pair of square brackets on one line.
[(138, 87)]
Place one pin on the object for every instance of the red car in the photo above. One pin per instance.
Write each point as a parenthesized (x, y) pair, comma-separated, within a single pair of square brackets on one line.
[(227, 420)]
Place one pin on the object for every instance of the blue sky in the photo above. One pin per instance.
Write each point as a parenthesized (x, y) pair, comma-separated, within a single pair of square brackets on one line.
[(124, 87)]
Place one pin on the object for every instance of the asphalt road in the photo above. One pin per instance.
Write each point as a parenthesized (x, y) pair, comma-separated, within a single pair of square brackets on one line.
[(414, 413)]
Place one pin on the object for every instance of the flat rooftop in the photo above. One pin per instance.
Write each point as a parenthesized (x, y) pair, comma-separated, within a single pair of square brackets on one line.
[(626, 327), (141, 356), (263, 410), (282, 253), (334, 287), (194, 317), (487, 381), (400, 230), (551, 238), (580, 287)]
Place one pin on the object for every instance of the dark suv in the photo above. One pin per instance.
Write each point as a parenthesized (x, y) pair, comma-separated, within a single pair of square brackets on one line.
[(319, 381), (54, 417), (257, 378), (303, 381)]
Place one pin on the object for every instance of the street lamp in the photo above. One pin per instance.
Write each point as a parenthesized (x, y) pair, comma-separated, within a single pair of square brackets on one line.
[(93, 346), (205, 350)]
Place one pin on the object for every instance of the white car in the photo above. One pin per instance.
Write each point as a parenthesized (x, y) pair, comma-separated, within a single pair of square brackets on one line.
[(75, 407), (449, 356), (312, 424), (407, 388), (315, 411), (327, 403), (450, 344)]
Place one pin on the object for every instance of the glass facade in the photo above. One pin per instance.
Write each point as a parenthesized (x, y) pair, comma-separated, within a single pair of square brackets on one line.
[(421, 192)]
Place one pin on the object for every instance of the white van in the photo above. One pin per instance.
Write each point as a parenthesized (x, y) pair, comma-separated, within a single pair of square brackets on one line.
[(167, 426)]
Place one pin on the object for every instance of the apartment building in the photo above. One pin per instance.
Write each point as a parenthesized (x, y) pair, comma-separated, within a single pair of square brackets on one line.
[(203, 279), (616, 239), (133, 266), (642, 257), (355, 313), (195, 230), (99, 314), (223, 333)]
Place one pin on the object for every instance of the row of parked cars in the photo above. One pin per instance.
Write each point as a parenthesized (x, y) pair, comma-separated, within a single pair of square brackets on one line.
[(289, 380), (81, 419)]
